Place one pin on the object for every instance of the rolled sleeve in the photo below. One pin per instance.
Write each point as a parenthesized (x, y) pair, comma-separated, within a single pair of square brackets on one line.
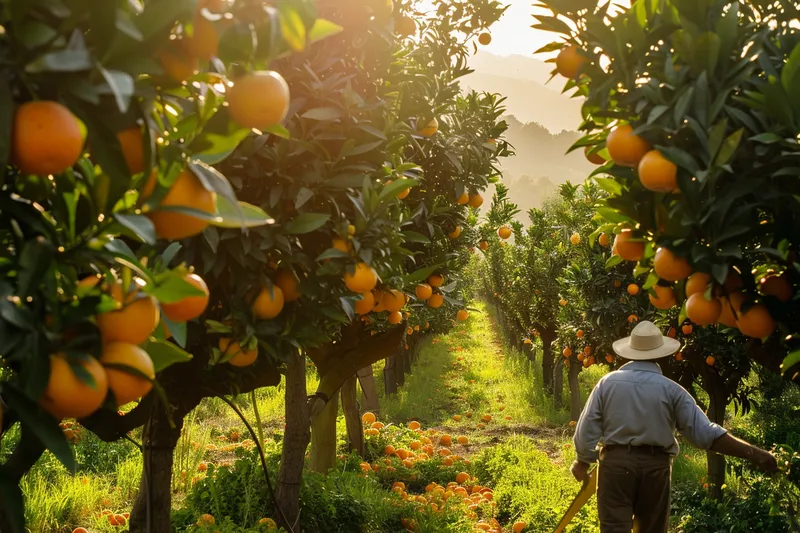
[(589, 430), (693, 424)]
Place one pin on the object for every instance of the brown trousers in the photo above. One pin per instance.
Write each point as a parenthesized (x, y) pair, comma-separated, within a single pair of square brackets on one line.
[(633, 490)]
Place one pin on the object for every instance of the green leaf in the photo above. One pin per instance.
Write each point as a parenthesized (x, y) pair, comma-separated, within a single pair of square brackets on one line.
[(36, 257), (613, 261), (421, 274), (612, 215), (278, 130), (165, 354), (413, 236), (609, 185), (215, 147), (729, 147), (41, 424), (790, 74), (61, 61), (332, 253), (346, 181), (120, 84), (294, 31), (790, 361), (323, 29), (396, 187), (239, 215), (140, 225), (323, 114), (306, 223), (171, 287)]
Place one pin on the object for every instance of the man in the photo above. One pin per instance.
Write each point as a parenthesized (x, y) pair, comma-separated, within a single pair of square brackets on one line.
[(633, 412)]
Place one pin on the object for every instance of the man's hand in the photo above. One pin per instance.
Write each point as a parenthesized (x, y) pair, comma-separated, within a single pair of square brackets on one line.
[(580, 471), (764, 460)]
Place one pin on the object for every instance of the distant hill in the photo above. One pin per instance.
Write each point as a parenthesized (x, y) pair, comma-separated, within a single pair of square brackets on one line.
[(534, 111)]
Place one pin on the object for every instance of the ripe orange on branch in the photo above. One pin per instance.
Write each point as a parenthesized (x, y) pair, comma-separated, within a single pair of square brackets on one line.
[(46, 138), (125, 385), (435, 280), (463, 199), (393, 300), (697, 282), (430, 129), (475, 200), (259, 100), (435, 301), (594, 158), (455, 233), (366, 304), (701, 311), (362, 279), (504, 232), (240, 357), (756, 322), (485, 39), (664, 297), (625, 148), (269, 303), (67, 395), (657, 173), (133, 323), (462, 315), (132, 143), (777, 286), (569, 61), (633, 289), (671, 267), (627, 247), (423, 291), (187, 191), (190, 307), (287, 282)]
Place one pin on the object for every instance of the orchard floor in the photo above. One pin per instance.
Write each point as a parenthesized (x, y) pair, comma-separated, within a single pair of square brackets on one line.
[(519, 458)]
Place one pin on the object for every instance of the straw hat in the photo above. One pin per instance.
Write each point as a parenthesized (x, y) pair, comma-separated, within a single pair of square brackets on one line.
[(646, 343)]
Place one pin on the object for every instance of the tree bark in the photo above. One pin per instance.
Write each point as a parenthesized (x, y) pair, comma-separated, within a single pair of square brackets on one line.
[(323, 437), (355, 429), (718, 400), (407, 358), (389, 379), (400, 367), (153, 505), (574, 391), (558, 384), (369, 392), (548, 336), (296, 437)]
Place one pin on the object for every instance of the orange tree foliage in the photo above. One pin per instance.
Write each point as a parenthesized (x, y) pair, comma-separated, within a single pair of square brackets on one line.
[(698, 136)]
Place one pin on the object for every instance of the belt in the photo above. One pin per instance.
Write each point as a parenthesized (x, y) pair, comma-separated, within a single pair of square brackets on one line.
[(629, 448)]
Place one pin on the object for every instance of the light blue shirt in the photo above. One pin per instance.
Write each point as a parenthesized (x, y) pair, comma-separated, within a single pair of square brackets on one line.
[(636, 405)]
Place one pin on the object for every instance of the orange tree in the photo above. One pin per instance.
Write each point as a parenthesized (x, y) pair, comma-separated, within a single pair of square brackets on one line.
[(692, 132), (112, 114)]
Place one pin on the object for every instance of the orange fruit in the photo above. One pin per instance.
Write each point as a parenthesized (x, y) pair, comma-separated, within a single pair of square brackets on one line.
[(485, 39), (133, 323), (475, 200), (241, 356), (595, 158), (504, 232), (609, 358), (687, 329), (701, 311), (203, 43), (519, 527), (730, 308), (190, 307), (664, 297), (446, 440), (365, 304), (671, 267), (269, 303), (430, 129), (562, 302), (697, 282), (777, 286), (569, 61), (395, 317), (369, 417), (362, 279), (80, 530), (132, 143), (462, 315), (579, 333), (287, 282), (632, 319), (756, 322), (127, 386), (389, 449), (657, 173), (187, 191), (625, 148), (343, 245), (455, 233), (575, 239), (259, 100), (462, 439), (46, 138), (66, 395), (435, 280), (423, 291), (603, 240), (402, 195), (628, 248), (567, 352), (176, 64), (483, 245), (679, 356), (435, 301), (405, 26), (121, 520), (206, 520), (393, 300), (463, 199), (633, 289), (710, 360), (733, 281), (462, 477)]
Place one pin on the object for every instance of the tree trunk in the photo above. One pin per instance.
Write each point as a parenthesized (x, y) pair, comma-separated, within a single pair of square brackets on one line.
[(574, 391), (400, 367), (295, 442), (558, 384), (355, 430), (153, 505), (548, 336), (389, 379), (407, 359), (323, 437), (718, 400), (369, 392)]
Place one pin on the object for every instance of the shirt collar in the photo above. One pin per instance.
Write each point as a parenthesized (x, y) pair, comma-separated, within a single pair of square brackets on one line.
[(642, 366)]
